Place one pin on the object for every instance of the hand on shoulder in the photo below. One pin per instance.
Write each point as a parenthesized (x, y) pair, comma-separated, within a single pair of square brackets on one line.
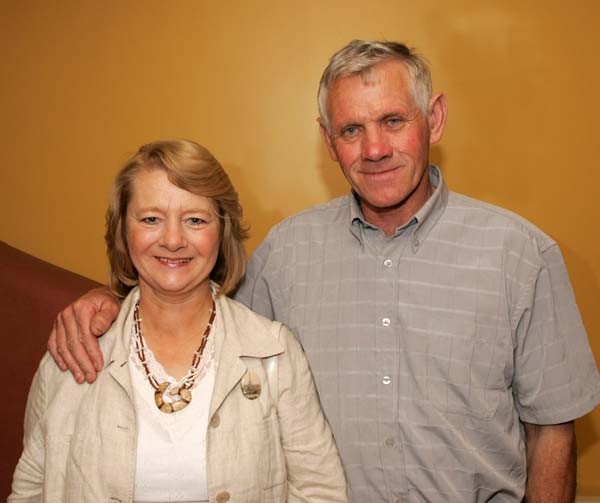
[(73, 341)]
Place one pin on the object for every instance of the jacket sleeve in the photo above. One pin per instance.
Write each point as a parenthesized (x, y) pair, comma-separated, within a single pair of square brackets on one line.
[(314, 468), (28, 478)]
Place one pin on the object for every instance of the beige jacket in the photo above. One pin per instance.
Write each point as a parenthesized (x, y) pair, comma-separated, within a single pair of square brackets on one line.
[(80, 440)]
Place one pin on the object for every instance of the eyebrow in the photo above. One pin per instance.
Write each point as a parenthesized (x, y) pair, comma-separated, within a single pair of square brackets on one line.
[(161, 210), (392, 114)]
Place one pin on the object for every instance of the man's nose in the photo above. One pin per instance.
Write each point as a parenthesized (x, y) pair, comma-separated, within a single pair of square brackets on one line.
[(376, 145)]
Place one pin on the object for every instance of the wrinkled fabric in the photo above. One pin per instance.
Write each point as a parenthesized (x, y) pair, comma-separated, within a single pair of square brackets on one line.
[(80, 440), (430, 346)]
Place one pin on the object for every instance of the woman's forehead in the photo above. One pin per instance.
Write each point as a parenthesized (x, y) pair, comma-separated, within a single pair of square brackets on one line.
[(152, 187)]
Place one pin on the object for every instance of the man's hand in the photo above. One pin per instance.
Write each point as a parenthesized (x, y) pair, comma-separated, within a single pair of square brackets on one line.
[(73, 343), (551, 463)]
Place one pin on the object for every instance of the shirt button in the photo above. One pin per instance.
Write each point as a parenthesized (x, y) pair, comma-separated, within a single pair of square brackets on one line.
[(386, 322), (390, 442), (223, 497), (386, 380), (388, 262), (215, 421)]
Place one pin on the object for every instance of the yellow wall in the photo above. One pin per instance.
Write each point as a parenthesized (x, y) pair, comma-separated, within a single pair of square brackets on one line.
[(84, 83)]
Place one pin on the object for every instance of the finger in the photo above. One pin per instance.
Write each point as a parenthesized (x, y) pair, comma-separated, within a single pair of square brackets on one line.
[(53, 350), (98, 326), (83, 344), (63, 349)]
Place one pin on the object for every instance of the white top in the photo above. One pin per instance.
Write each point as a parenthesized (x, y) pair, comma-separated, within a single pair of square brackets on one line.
[(171, 448)]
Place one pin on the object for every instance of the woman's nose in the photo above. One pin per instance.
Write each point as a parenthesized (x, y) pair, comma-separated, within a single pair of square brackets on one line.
[(173, 237)]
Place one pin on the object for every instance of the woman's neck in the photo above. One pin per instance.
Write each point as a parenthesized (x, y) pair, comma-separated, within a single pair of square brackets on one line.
[(174, 318), (173, 329)]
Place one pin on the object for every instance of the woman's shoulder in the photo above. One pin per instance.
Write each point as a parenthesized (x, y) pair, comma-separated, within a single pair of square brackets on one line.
[(252, 325), (49, 381), (241, 313)]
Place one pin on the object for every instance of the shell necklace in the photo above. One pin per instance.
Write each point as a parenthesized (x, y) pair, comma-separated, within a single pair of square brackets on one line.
[(171, 397)]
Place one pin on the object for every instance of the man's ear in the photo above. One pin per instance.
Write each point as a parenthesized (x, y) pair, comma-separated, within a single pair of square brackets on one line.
[(438, 111), (327, 139)]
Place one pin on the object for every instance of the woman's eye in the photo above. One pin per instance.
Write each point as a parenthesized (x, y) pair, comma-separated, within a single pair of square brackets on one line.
[(150, 220), (196, 220)]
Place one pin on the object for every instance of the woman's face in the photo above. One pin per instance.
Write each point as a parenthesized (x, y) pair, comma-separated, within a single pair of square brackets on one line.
[(173, 236)]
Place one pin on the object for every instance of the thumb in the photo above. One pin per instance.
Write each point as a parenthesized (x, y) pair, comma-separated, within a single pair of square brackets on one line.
[(101, 322)]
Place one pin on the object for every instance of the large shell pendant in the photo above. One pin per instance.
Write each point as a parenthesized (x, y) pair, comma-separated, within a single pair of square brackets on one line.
[(170, 398)]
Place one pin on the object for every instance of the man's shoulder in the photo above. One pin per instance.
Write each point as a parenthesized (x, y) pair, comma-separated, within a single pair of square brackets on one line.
[(327, 214), (474, 213)]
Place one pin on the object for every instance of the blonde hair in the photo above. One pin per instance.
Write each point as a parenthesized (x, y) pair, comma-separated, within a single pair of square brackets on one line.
[(191, 167), (359, 56)]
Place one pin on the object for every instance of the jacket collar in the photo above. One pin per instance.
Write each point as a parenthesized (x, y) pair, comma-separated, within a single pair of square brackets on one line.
[(116, 348), (239, 333)]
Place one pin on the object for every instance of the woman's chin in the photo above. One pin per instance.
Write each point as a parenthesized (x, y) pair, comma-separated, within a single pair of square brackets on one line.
[(176, 289)]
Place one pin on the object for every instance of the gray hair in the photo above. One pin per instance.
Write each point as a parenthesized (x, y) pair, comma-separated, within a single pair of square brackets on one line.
[(359, 56)]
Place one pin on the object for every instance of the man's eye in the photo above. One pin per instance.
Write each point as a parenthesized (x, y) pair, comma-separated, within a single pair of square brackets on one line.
[(394, 122), (150, 220), (349, 132)]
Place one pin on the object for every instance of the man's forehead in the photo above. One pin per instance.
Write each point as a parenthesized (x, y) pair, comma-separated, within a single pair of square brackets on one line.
[(380, 86), (373, 74)]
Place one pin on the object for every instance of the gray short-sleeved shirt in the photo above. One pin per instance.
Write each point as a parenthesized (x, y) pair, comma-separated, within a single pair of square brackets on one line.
[(429, 347)]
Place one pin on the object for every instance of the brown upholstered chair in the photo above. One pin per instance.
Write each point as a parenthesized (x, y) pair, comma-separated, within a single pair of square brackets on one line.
[(32, 292)]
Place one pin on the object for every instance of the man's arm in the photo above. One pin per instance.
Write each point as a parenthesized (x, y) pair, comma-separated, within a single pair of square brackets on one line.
[(73, 341), (551, 463)]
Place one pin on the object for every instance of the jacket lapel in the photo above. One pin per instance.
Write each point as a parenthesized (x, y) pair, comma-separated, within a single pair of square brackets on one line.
[(118, 355), (241, 334)]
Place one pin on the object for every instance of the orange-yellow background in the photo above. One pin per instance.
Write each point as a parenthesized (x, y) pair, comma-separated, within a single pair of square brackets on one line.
[(84, 83)]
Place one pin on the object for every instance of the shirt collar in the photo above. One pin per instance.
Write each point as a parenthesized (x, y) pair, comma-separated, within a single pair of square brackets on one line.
[(422, 221)]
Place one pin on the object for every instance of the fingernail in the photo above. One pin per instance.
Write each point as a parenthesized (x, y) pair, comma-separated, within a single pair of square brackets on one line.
[(98, 367), (89, 377), (79, 378)]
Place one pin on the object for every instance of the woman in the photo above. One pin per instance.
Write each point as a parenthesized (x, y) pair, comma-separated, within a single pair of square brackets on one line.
[(201, 399)]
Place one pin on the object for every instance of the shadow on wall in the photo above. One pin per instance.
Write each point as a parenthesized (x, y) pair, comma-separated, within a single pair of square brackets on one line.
[(587, 288), (258, 217), (586, 432)]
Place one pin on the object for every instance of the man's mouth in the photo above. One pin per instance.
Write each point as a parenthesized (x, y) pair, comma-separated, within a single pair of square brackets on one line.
[(377, 172)]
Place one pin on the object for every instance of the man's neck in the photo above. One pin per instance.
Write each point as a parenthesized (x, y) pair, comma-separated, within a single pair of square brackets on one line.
[(390, 219)]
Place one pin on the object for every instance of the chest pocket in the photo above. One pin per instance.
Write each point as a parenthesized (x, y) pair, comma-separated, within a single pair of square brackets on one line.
[(466, 365)]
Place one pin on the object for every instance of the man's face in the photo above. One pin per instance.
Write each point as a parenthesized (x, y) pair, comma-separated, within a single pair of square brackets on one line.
[(381, 139)]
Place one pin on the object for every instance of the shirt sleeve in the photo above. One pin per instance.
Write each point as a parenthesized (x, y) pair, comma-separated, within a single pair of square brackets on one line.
[(256, 289), (555, 379)]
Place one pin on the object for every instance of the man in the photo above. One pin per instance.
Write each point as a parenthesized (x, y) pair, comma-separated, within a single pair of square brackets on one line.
[(442, 332)]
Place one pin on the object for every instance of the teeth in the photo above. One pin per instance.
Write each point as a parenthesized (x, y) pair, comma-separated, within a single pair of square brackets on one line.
[(173, 261)]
